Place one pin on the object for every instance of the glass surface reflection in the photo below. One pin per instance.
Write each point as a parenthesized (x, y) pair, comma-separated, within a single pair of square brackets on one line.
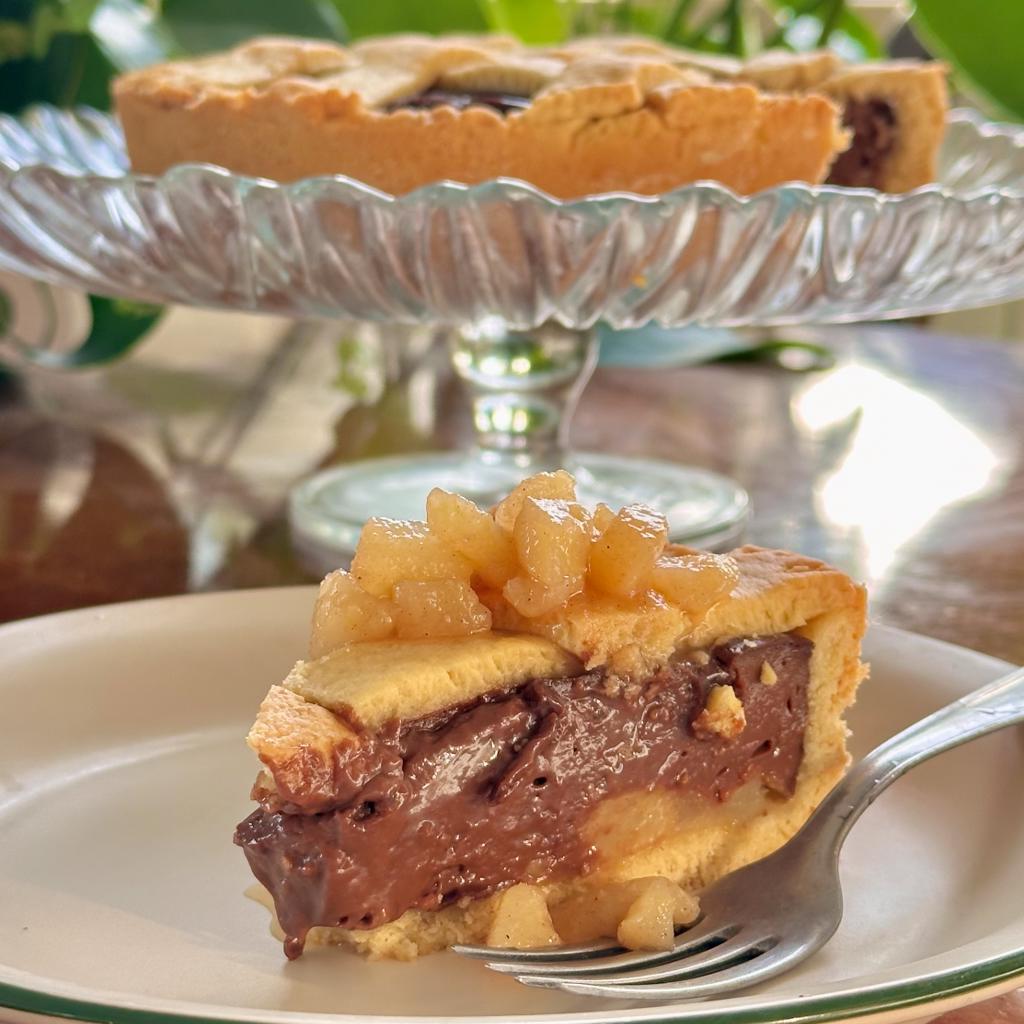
[(907, 459)]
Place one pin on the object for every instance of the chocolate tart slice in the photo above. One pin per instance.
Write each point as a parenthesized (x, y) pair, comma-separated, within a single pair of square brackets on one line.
[(540, 725)]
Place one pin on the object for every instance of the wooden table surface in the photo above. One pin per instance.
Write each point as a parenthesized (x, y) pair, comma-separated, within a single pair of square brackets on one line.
[(903, 463)]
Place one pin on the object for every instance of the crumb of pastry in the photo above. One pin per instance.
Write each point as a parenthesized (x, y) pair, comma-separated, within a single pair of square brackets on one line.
[(723, 714), (769, 677)]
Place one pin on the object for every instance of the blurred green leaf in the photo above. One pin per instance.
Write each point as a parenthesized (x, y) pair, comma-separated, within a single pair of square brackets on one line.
[(204, 26), (675, 22), (800, 356), (534, 21), (15, 39), (983, 41), (15, 84), (379, 17), (52, 17), (803, 23), (77, 72), (59, 73), (855, 39), (355, 364), (648, 19), (117, 326), (77, 14), (73, 70), (736, 28)]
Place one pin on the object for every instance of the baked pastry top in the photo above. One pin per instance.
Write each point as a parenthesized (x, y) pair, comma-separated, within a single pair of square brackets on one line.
[(526, 725), (593, 115)]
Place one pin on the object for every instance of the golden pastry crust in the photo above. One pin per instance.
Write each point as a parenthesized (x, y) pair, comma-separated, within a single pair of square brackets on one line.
[(370, 684), (297, 737), (628, 116), (915, 91), (781, 71)]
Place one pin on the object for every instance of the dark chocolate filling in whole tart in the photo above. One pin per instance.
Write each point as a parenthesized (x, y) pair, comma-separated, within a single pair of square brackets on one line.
[(504, 103), (873, 124), (486, 795)]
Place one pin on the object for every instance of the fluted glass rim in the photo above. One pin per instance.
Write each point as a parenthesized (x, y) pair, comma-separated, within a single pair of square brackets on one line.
[(331, 246), (447, 191)]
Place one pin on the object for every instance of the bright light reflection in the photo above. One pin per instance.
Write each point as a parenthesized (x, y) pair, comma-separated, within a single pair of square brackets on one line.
[(909, 458)]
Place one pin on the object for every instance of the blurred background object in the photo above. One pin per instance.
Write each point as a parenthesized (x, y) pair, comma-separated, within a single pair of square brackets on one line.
[(65, 52)]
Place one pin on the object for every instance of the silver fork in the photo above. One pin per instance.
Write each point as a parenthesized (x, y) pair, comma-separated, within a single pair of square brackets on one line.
[(765, 918)]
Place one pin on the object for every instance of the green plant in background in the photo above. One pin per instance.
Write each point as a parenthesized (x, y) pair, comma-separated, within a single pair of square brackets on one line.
[(982, 40), (66, 52)]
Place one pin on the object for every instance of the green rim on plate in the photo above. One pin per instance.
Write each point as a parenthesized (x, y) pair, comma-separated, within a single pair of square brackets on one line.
[(812, 1010)]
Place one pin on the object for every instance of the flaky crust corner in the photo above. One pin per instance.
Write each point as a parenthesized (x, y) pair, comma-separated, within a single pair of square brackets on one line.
[(778, 591), (296, 740)]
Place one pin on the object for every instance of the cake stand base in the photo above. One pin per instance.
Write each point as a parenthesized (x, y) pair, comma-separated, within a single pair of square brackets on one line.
[(328, 510)]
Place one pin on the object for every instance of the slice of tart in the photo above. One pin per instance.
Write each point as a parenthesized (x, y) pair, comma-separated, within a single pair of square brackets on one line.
[(896, 114), (893, 111), (541, 725)]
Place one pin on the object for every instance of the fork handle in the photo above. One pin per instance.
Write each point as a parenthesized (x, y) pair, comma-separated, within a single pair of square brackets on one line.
[(995, 706)]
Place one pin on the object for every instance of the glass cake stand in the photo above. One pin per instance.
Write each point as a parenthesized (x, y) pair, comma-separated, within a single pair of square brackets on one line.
[(519, 277)]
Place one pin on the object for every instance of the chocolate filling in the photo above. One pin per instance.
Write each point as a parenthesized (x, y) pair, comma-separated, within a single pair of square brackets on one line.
[(484, 796), (504, 103), (873, 123)]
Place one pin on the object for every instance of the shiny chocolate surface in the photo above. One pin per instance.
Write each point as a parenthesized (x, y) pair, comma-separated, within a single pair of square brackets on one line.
[(499, 792)]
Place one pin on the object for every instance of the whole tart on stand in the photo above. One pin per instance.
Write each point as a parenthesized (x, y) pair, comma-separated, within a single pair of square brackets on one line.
[(401, 112), (597, 115)]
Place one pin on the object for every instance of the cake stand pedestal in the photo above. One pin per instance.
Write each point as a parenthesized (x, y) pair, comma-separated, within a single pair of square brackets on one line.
[(523, 388), (519, 279)]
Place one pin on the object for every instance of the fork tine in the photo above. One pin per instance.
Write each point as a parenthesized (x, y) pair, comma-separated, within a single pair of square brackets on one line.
[(694, 941), (588, 951), (728, 954), (731, 979)]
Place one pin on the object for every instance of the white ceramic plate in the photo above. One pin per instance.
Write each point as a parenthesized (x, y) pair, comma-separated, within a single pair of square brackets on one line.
[(123, 771)]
